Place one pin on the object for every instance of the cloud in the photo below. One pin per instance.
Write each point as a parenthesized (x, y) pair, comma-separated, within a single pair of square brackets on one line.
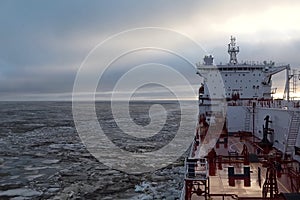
[(42, 44)]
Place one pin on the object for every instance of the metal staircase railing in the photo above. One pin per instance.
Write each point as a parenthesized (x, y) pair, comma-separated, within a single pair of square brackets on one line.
[(293, 133)]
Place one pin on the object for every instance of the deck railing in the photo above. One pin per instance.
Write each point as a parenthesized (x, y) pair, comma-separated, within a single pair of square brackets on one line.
[(196, 168)]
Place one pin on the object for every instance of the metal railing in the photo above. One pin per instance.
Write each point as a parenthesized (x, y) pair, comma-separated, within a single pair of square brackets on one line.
[(196, 168)]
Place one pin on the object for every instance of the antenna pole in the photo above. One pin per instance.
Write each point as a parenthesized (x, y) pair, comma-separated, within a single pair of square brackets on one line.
[(288, 84), (233, 51)]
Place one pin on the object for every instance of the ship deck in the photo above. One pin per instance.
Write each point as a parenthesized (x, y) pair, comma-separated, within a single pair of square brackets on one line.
[(219, 184)]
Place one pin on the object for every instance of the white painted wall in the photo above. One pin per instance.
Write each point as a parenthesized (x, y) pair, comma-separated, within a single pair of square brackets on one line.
[(236, 118), (280, 123)]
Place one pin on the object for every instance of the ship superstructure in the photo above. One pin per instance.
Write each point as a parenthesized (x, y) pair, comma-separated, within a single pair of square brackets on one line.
[(243, 129)]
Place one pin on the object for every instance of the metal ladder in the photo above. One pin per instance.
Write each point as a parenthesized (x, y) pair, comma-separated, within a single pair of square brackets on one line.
[(248, 119), (293, 133)]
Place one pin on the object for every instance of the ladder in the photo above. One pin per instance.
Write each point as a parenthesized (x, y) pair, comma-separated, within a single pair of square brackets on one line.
[(247, 119), (293, 133)]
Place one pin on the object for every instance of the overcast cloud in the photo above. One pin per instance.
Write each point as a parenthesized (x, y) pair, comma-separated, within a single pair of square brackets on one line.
[(43, 43)]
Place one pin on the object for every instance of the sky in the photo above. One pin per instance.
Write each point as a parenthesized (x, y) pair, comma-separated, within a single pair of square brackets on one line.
[(44, 44)]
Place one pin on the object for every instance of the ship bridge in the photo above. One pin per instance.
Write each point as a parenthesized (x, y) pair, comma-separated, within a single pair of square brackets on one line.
[(245, 80)]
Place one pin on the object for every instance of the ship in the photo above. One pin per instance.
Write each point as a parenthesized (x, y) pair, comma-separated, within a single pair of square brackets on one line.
[(247, 142)]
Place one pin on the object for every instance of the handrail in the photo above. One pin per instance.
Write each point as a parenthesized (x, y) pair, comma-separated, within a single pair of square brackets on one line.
[(196, 169)]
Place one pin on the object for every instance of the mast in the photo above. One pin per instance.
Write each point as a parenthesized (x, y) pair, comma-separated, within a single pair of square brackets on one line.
[(286, 93), (233, 51), (288, 84)]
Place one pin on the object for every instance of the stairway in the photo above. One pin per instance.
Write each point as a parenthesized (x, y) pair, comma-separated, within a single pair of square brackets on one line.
[(293, 133)]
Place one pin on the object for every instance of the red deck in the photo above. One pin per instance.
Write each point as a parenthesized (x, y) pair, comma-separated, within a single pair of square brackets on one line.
[(220, 187)]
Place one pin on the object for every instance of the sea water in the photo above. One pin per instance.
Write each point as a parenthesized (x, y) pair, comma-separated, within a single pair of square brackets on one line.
[(43, 157)]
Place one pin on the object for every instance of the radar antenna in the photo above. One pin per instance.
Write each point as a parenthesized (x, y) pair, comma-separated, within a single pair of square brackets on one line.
[(233, 51)]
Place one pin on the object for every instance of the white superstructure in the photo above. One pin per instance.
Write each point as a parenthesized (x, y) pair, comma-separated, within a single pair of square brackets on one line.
[(246, 89)]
